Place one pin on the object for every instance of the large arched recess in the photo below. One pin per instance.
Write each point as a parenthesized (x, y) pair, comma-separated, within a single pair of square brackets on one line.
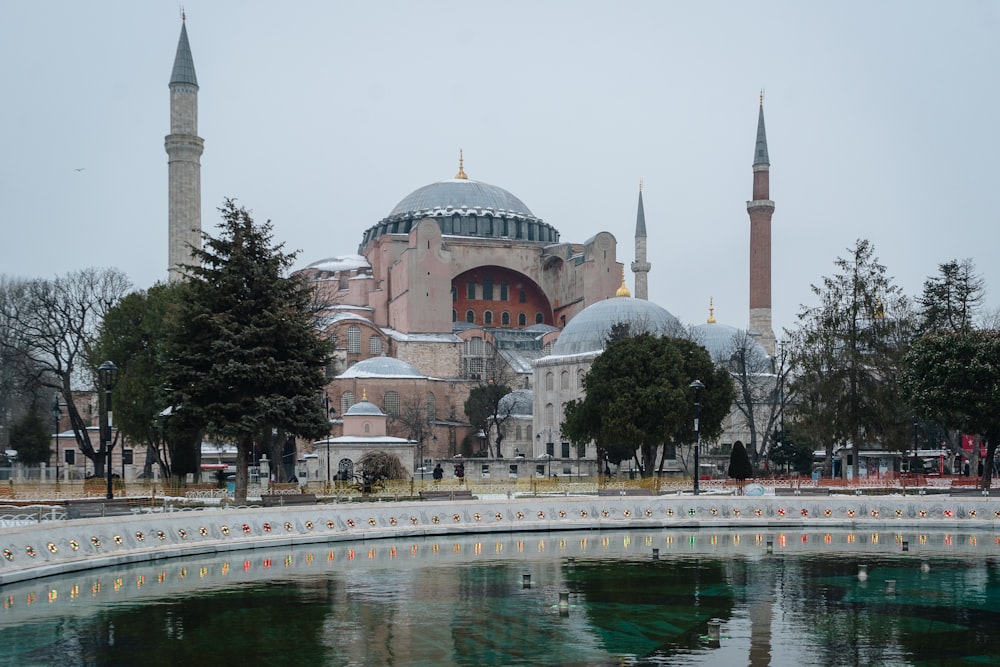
[(497, 290)]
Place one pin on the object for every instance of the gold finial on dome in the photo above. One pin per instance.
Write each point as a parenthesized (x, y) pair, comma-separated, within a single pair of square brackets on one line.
[(623, 290), (364, 394), (461, 169), (879, 308), (711, 310)]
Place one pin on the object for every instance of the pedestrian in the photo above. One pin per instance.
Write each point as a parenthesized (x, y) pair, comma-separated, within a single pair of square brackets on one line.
[(438, 473)]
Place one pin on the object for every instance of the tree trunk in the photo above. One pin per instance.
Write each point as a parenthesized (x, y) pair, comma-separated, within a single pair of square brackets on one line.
[(242, 459), (991, 450)]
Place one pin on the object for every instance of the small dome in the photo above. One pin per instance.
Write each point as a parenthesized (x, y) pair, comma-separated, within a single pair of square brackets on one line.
[(518, 402), (364, 408), (381, 367), (718, 339), (590, 328)]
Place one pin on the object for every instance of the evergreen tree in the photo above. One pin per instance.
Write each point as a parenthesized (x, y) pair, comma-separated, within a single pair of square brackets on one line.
[(740, 467), (244, 358), (954, 379), (849, 354), (951, 300), (135, 334), (637, 394), (31, 438)]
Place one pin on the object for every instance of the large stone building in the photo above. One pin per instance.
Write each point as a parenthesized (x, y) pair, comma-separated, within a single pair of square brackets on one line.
[(460, 285)]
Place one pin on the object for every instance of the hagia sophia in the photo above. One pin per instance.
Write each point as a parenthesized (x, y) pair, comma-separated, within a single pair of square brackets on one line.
[(460, 285)]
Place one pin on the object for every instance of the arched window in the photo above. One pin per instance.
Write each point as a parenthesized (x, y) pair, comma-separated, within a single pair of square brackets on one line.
[(564, 380), (345, 469), (522, 319), (580, 374), (354, 339), (488, 317), (505, 318), (368, 427), (454, 316), (375, 345), (390, 404), (539, 318), (346, 401), (549, 381), (470, 316), (431, 406)]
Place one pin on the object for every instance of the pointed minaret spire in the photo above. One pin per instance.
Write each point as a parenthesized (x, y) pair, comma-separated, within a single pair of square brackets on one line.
[(184, 148), (760, 209), (461, 167), (640, 267)]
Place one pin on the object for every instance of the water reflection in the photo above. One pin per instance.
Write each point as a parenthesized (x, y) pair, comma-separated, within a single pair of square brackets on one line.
[(462, 601)]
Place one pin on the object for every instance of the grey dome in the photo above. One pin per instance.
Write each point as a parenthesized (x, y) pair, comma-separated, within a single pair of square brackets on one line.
[(517, 402), (588, 330), (364, 408), (459, 194), (381, 367), (718, 339), (463, 207)]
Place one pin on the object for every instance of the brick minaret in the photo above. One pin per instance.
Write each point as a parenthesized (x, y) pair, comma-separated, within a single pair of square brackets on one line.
[(184, 148), (760, 209), (640, 267)]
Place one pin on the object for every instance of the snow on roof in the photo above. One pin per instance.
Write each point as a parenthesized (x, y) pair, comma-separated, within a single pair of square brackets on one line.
[(341, 263)]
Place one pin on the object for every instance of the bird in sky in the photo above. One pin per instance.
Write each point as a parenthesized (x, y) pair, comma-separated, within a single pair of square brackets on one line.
[(79, 169)]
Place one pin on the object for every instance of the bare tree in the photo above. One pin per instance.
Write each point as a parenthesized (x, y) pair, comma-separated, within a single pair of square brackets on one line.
[(51, 327), (760, 383)]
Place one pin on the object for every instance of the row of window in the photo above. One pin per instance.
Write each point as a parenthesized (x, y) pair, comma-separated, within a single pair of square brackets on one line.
[(471, 288), (390, 403), (522, 318), (565, 380), (354, 341)]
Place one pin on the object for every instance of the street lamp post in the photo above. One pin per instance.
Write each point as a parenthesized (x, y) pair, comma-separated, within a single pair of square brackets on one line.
[(326, 411), (56, 415), (909, 468), (696, 388), (108, 375)]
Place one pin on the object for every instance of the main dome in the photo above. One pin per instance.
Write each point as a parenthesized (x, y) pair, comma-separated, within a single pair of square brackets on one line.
[(460, 194), (588, 331), (464, 207)]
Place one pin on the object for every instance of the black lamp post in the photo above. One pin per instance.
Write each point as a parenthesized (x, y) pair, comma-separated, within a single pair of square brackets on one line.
[(915, 457), (107, 373), (326, 411), (696, 388), (56, 415)]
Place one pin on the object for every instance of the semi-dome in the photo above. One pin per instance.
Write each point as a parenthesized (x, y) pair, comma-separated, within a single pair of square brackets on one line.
[(464, 207), (518, 402), (721, 341), (381, 367), (588, 331)]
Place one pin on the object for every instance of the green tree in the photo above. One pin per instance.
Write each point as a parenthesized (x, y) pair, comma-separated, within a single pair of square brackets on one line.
[(31, 436), (637, 392), (135, 334), (788, 453), (848, 353), (954, 379), (740, 467), (951, 299), (486, 411), (244, 357)]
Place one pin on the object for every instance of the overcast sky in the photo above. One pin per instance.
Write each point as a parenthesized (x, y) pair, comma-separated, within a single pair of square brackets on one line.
[(321, 116)]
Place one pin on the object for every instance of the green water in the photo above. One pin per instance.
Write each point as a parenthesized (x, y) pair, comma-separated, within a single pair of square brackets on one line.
[(466, 601)]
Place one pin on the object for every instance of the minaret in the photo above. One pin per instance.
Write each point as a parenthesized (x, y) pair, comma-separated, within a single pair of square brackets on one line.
[(760, 209), (640, 267), (184, 148)]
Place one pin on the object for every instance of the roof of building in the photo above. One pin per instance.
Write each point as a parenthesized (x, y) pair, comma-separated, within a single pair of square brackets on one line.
[(183, 62), (760, 148), (364, 408), (721, 340), (518, 402), (460, 194), (381, 367), (588, 331)]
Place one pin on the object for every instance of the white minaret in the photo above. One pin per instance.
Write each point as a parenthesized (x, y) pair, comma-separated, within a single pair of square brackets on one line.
[(640, 267), (184, 148)]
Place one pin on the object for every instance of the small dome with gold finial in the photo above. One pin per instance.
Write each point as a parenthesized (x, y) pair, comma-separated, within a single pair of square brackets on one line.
[(722, 340)]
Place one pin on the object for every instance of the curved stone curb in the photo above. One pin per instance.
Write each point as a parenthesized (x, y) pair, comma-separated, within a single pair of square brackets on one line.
[(66, 546)]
